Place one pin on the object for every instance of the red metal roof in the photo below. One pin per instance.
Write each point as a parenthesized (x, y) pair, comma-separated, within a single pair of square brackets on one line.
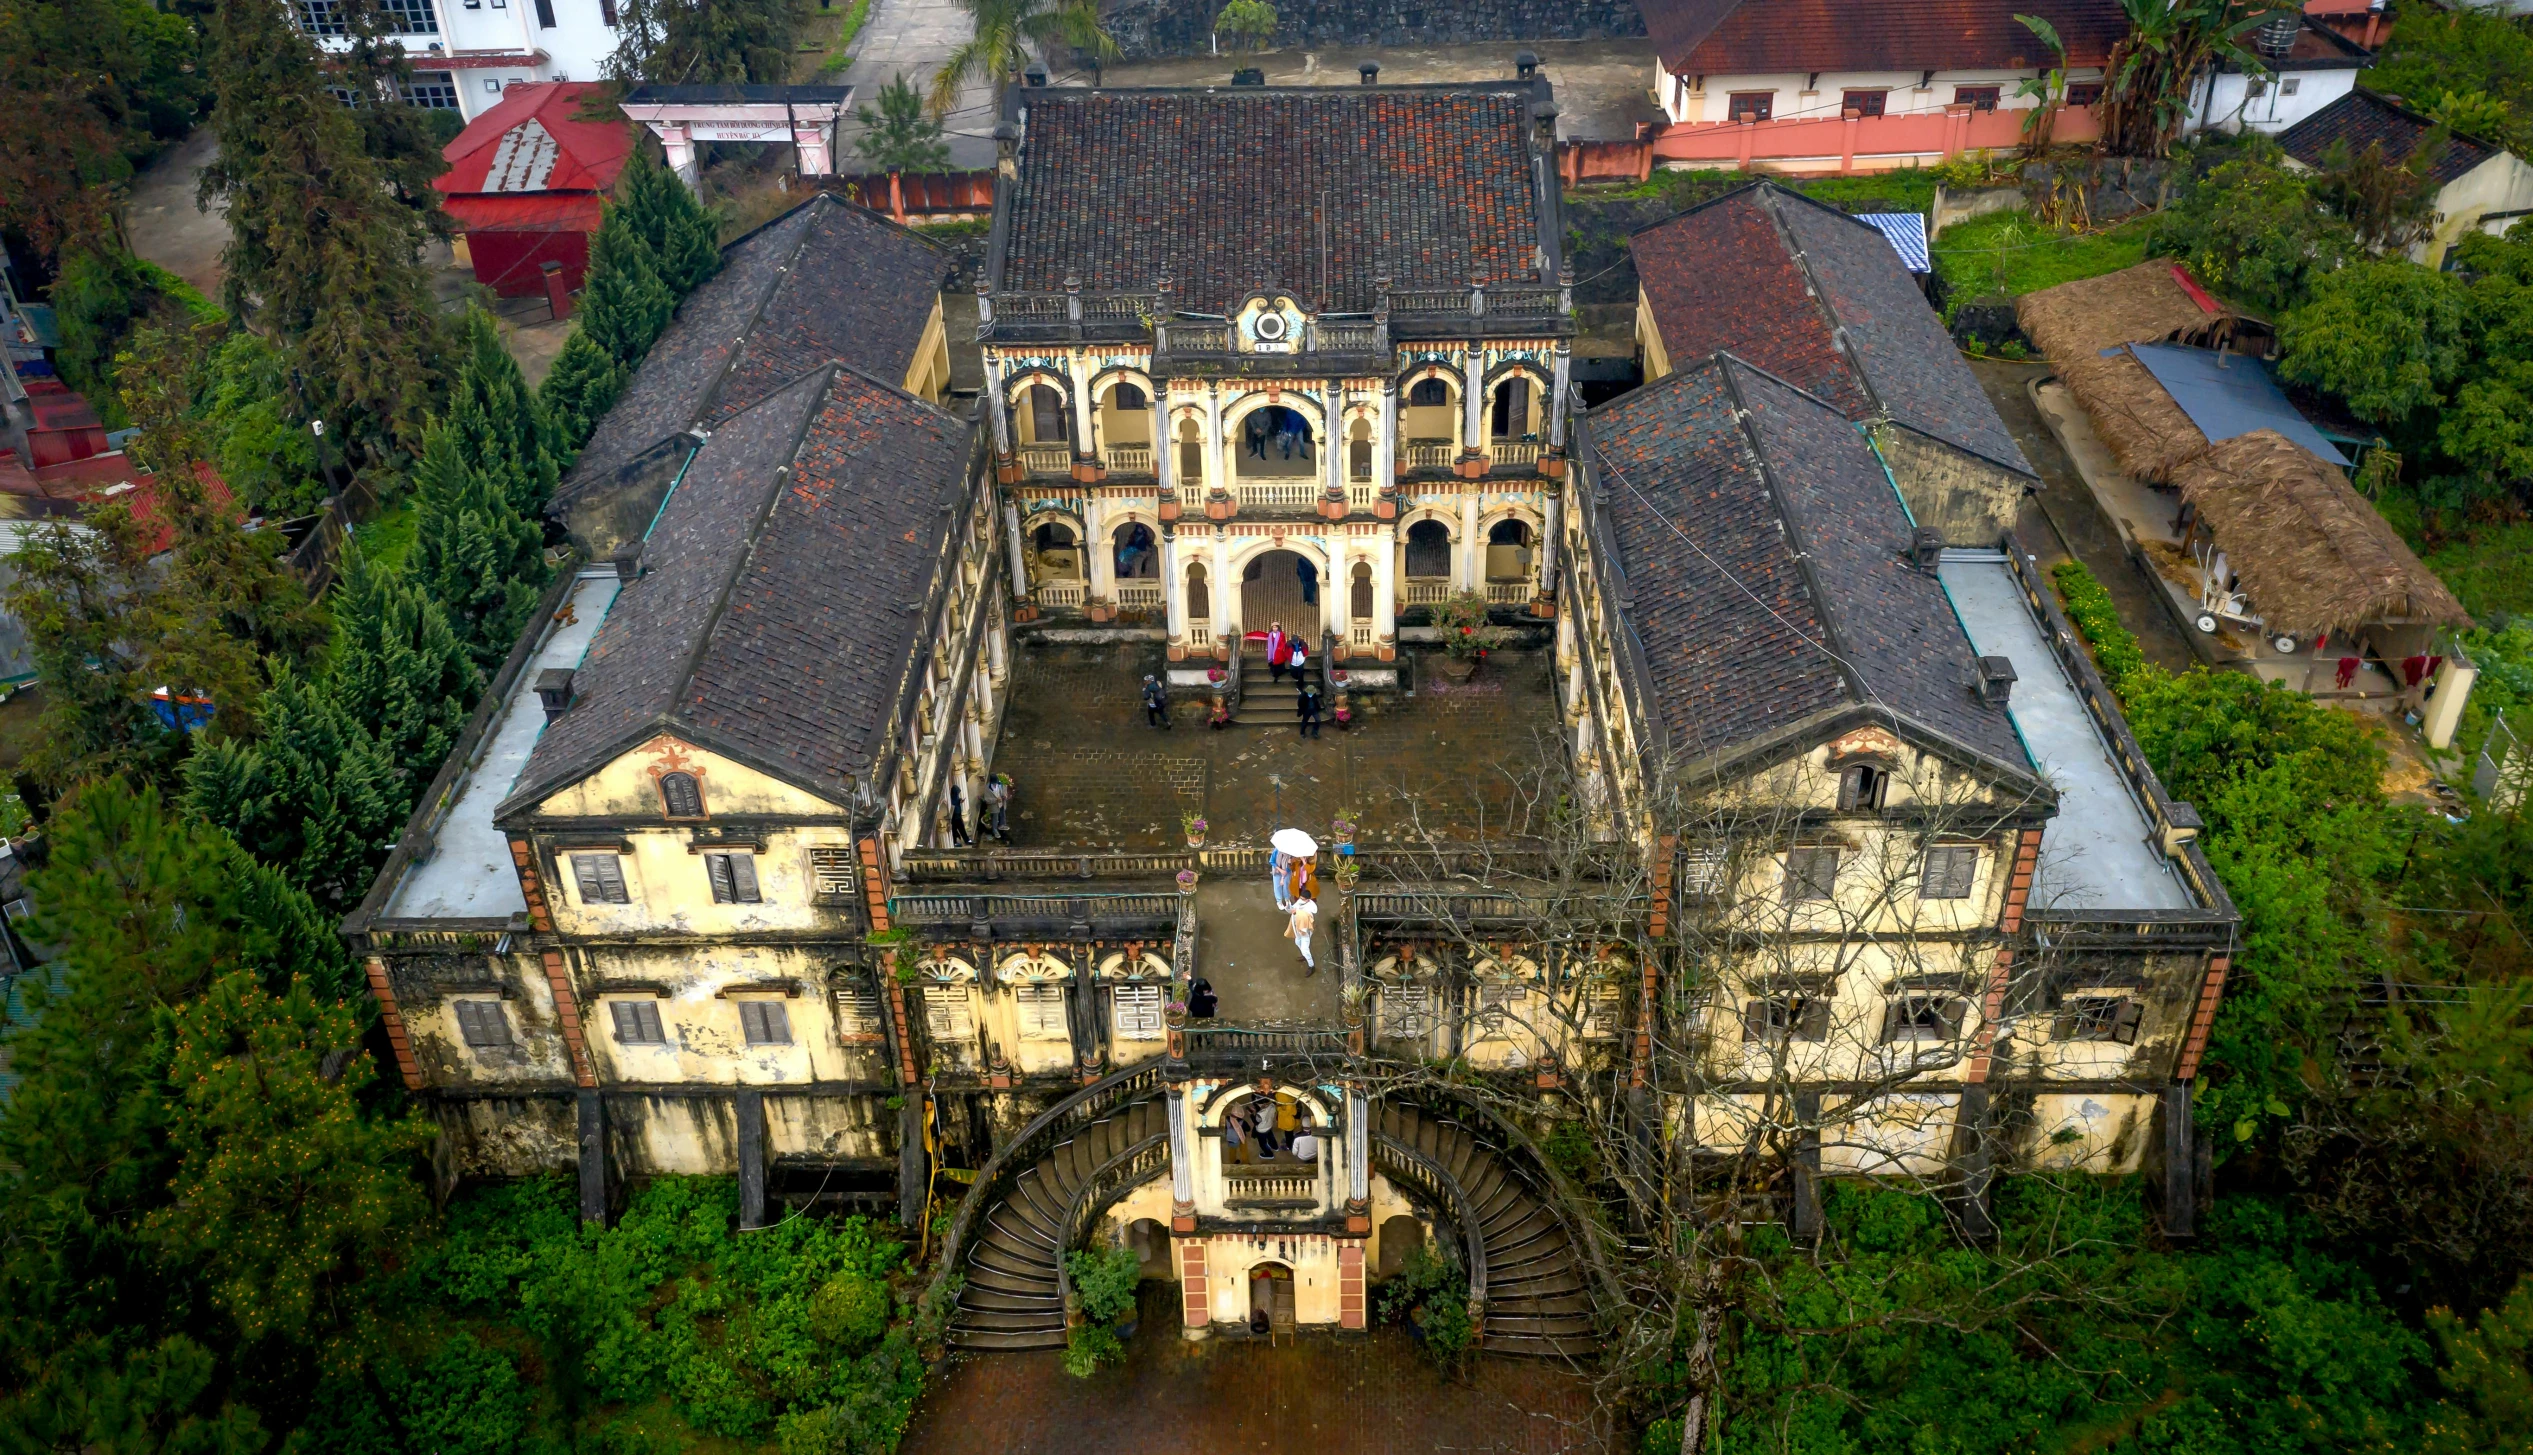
[(1742, 37), (551, 151), (526, 211)]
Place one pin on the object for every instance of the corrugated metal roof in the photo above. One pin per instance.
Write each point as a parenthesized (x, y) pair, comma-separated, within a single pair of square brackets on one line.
[(1907, 232), (523, 159), (2230, 394)]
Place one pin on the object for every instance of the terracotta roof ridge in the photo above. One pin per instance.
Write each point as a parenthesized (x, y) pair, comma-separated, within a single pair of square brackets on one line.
[(1839, 341)]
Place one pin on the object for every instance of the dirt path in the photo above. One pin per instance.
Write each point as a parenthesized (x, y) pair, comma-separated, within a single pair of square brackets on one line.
[(162, 222)]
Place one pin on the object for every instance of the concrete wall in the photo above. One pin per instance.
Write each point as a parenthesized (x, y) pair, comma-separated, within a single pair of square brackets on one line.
[(1971, 500), (2488, 198), (1152, 28)]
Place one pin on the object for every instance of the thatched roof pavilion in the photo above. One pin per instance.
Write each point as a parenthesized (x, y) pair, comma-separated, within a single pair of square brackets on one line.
[(2154, 302), (2313, 553)]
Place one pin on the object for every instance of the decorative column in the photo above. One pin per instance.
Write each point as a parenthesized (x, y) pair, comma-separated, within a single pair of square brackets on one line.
[(1471, 564), (1215, 465), (1196, 1305), (1165, 445), (1019, 549), (677, 139), (1337, 590), (1358, 1162), (1385, 453), (997, 408), (1332, 465), (1557, 400), (1101, 577), (1222, 588), (1385, 592), (1473, 411), (1553, 511), (1085, 446), (1174, 592)]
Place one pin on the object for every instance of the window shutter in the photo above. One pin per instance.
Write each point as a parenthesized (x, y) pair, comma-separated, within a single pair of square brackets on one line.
[(1848, 783), (1604, 1014), (637, 1022), (766, 1022), (1956, 1015), (1137, 1012), (1754, 1020), (1407, 1011), (718, 866), (481, 1023), (1950, 868), (946, 1013), (601, 878), (681, 795), (1812, 1018), (1892, 1015), (2124, 1023), (1042, 1015), (858, 1010), (743, 877)]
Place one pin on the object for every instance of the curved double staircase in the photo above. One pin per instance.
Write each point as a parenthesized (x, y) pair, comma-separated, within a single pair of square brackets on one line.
[(1040, 1195)]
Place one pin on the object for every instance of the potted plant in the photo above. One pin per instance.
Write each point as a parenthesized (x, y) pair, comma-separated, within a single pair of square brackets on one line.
[(1357, 1000), (1194, 826), (1187, 881), (1104, 1282), (1341, 828), (1467, 634)]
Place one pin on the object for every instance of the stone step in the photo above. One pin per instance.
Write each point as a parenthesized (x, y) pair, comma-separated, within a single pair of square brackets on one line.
[(1544, 1325), (1569, 1303), (1533, 1346), (974, 1296), (984, 1339), (1013, 1264), (1014, 1285), (1007, 1321)]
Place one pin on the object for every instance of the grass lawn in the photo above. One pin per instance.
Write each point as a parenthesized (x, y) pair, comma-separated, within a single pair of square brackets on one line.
[(389, 539), (2489, 566), (2010, 253), (829, 34)]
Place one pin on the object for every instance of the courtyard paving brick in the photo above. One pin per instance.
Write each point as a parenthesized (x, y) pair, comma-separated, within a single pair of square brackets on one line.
[(1450, 761), (1318, 1395)]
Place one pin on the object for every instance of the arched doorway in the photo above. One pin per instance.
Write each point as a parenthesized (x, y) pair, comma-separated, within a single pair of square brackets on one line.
[(1359, 601), (1428, 551), (1138, 552), (1054, 554), (1151, 1241), (1271, 1299), (1400, 1237), (1508, 546), (1200, 600), (1274, 440), (1281, 586)]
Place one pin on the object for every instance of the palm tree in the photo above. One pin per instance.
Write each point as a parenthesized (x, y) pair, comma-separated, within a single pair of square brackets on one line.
[(1005, 31)]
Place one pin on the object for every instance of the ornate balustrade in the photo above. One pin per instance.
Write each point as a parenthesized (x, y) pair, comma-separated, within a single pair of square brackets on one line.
[(1430, 454), (1047, 459), (1127, 459)]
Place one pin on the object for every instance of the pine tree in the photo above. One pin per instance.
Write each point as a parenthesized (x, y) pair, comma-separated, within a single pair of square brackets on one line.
[(321, 255), (313, 795), (472, 552), (285, 1190), (579, 390), (499, 425), (399, 667), (624, 306), (684, 238), (900, 137)]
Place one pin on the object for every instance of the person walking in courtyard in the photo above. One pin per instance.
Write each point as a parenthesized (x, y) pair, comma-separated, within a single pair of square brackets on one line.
[(1276, 643), (958, 818), (1296, 655), (1156, 702), (1308, 706), (1279, 867), (1304, 918)]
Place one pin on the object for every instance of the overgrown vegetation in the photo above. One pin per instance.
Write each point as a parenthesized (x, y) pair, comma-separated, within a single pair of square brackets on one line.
[(2011, 253)]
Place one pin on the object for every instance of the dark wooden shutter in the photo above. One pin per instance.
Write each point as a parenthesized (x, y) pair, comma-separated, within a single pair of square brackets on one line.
[(601, 878), (743, 877), (1812, 1018), (766, 1022), (1892, 1015), (718, 867), (2125, 1021), (482, 1023), (1754, 1020), (1956, 1015), (1847, 783), (637, 1022), (682, 795)]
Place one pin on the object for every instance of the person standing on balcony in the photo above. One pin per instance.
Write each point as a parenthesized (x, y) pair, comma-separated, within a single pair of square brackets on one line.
[(1305, 917), (998, 805), (1156, 703)]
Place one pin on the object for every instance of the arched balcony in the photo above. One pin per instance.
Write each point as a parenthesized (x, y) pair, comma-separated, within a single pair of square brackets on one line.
[(1429, 423), (1121, 422)]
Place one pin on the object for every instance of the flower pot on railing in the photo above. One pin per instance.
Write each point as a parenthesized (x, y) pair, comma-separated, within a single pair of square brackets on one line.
[(1187, 881), (1194, 826)]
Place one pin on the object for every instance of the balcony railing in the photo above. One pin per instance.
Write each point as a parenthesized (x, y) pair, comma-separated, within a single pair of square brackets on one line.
[(1431, 454), (1410, 308), (1360, 634), (1425, 592), (1061, 593), (1140, 595), (1509, 593), (1127, 459), (1276, 494), (1200, 634), (1047, 459), (1362, 495), (1513, 452)]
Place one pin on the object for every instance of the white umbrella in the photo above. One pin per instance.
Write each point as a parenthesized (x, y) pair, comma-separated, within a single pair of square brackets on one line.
[(1296, 843)]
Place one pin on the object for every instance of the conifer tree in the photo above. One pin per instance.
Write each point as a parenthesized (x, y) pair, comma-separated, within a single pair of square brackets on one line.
[(322, 256), (624, 306), (684, 238), (472, 551), (313, 795), (499, 424), (579, 390), (399, 667), (95, 614)]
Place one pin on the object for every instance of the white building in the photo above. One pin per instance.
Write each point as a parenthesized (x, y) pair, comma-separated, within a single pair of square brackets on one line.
[(466, 52), (2479, 187), (2310, 67)]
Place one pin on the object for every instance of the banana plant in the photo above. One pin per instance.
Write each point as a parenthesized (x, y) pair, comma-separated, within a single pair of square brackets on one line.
[(2170, 44)]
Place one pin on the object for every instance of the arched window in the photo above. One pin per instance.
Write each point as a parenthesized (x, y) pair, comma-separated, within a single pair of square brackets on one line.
[(1138, 552), (1512, 409), (681, 795), (1200, 601), (1428, 549), (1191, 457), (1359, 602), (1428, 394), (1359, 451), (1129, 396), (1047, 425)]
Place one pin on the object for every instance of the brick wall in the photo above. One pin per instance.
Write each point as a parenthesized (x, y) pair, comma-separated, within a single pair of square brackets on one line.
[(1150, 28)]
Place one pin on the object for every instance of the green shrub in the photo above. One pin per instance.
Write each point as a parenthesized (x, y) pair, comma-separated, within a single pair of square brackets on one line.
[(850, 1310), (465, 1400), (1088, 1346), (1104, 1282), (2097, 620)]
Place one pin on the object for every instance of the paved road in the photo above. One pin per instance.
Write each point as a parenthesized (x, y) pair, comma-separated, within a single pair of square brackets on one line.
[(915, 37), (165, 226)]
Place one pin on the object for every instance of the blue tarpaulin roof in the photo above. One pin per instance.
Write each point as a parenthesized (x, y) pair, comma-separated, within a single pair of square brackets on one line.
[(1907, 232), (2237, 398)]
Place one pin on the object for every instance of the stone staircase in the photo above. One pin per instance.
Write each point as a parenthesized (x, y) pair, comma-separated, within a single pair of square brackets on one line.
[(1537, 1300), (1010, 1299), (1266, 701)]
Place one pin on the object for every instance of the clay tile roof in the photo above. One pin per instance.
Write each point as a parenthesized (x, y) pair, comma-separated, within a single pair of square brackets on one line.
[(2362, 119), (827, 280), (777, 607), (1765, 559), (1741, 37), (1816, 296), (1322, 189)]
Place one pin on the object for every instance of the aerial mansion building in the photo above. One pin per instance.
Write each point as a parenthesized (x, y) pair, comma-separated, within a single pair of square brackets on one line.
[(1863, 865)]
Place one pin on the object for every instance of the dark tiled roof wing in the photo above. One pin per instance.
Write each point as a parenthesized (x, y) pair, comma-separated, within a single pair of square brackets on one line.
[(824, 281), (1778, 280), (1894, 624), (1221, 191), (1744, 634), (766, 618), (2362, 119), (1744, 37)]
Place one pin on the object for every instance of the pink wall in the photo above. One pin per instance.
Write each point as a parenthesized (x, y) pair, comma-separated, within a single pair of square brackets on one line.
[(1854, 144)]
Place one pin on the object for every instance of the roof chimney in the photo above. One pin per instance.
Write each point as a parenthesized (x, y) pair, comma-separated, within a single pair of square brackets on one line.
[(1525, 65), (554, 689), (1996, 680), (1371, 72), (1036, 75), (1926, 548), (627, 560)]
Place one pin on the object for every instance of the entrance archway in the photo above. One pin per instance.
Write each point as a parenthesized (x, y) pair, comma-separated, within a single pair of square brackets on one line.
[(1273, 441), (1281, 586), (1270, 1299), (1400, 1237)]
